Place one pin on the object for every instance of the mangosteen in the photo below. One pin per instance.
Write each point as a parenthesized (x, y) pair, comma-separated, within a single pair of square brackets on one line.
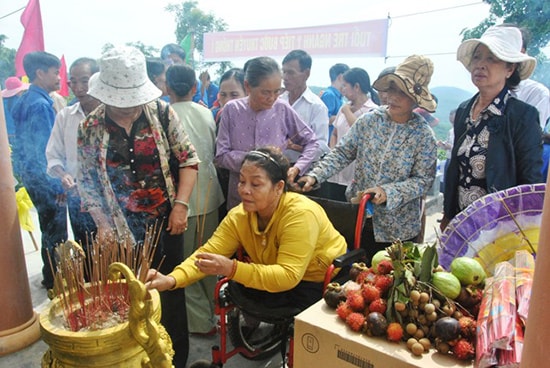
[(377, 323), (356, 269), (334, 294), (447, 328)]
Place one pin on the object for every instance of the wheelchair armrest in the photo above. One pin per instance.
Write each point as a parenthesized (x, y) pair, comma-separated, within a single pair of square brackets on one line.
[(350, 257)]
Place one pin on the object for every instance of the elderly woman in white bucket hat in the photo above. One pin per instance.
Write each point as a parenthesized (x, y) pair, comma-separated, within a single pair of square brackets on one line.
[(127, 178), (497, 137), (395, 155)]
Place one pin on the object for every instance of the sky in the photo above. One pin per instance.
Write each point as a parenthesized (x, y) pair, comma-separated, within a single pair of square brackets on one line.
[(76, 28)]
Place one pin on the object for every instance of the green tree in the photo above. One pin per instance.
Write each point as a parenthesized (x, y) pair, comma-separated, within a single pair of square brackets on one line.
[(532, 15), (7, 60), (192, 21), (148, 51)]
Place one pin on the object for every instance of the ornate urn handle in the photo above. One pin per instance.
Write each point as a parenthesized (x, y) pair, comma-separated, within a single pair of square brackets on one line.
[(149, 334)]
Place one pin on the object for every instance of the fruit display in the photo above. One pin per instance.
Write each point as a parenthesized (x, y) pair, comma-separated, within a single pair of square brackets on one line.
[(406, 296)]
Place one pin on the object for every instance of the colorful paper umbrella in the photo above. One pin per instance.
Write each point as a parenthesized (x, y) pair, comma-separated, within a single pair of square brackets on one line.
[(494, 227)]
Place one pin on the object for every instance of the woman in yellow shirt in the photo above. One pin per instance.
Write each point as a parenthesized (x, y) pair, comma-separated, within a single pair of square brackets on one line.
[(287, 237)]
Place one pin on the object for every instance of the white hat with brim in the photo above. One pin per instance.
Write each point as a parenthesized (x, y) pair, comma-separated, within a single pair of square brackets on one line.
[(13, 87), (505, 43), (122, 81), (412, 77)]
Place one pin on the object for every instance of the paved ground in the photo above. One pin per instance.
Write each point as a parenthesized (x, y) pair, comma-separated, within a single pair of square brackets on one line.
[(31, 356)]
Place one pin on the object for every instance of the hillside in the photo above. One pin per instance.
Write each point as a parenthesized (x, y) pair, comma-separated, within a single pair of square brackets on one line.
[(448, 98)]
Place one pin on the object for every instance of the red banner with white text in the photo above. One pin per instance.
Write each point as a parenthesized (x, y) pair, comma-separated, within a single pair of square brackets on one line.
[(368, 38)]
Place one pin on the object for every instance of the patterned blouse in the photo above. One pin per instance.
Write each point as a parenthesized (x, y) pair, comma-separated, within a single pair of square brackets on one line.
[(400, 158), (243, 129), (128, 176), (341, 127), (472, 153)]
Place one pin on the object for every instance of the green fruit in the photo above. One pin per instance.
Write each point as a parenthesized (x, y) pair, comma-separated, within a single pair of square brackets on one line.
[(468, 271), (379, 257), (447, 284)]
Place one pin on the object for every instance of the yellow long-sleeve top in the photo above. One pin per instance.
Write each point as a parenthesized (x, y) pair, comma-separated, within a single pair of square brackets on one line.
[(299, 243)]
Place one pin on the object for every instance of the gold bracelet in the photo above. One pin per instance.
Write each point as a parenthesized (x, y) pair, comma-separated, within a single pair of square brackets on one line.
[(181, 202)]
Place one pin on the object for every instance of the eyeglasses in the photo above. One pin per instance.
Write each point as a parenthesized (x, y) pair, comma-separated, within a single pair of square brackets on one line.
[(268, 93)]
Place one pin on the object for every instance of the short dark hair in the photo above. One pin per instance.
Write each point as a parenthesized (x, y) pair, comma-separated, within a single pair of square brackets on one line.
[(304, 59), (170, 49), (358, 76), (272, 160), (180, 78), (155, 67), (336, 70), (39, 60), (235, 73), (260, 68), (92, 63)]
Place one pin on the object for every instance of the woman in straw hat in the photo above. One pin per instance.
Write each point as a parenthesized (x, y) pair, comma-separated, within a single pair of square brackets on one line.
[(497, 137), (395, 156), (125, 177)]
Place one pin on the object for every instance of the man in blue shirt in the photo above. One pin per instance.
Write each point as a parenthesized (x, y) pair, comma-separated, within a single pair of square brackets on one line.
[(332, 96), (34, 117)]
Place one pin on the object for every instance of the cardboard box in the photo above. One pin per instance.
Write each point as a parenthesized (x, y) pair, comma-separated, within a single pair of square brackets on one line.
[(322, 340)]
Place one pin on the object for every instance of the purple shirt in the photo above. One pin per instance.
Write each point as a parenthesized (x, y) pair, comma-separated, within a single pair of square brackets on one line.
[(242, 130)]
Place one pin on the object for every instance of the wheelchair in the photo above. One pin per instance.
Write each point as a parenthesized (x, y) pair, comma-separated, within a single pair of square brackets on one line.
[(259, 334)]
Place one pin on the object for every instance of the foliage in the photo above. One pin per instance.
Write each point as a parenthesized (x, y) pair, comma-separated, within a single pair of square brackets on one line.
[(532, 15), (7, 60), (148, 51), (191, 20)]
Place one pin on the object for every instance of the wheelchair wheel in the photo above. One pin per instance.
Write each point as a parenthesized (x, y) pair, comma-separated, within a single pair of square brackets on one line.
[(261, 339)]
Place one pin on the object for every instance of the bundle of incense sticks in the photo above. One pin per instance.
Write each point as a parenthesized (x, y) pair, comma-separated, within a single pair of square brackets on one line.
[(89, 300)]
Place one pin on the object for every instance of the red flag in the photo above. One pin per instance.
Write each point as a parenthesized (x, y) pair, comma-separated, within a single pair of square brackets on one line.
[(33, 37), (64, 82)]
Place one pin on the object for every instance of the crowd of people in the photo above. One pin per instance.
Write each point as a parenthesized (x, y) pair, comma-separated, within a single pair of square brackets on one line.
[(230, 166)]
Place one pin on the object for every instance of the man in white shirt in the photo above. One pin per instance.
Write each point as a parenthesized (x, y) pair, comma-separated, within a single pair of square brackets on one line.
[(312, 110), (61, 150), (530, 91), (535, 94)]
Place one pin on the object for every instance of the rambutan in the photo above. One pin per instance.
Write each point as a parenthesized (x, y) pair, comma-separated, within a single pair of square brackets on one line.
[(384, 267), (379, 305), (463, 350), (356, 321), (355, 300), (366, 276), (383, 282), (343, 310), (370, 293), (394, 332), (467, 326)]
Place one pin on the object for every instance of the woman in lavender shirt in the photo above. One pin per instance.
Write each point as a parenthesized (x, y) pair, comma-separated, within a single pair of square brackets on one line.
[(261, 119)]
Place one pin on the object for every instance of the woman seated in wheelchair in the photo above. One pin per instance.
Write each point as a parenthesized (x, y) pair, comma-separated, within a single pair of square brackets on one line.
[(288, 240)]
